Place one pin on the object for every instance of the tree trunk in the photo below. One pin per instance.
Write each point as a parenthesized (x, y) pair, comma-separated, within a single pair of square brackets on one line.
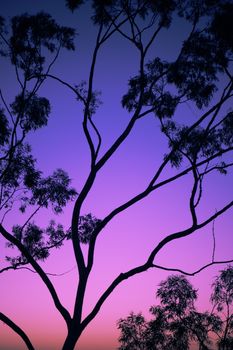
[(72, 338)]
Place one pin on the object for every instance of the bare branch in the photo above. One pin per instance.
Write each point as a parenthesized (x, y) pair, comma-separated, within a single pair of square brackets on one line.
[(5, 214), (117, 28), (69, 86), (212, 263), (214, 240), (98, 136), (33, 271), (109, 33), (186, 232), (149, 263), (149, 190), (150, 42), (87, 114), (17, 330), (192, 205)]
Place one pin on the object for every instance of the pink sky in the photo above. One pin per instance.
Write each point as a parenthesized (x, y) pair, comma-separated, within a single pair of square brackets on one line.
[(129, 238)]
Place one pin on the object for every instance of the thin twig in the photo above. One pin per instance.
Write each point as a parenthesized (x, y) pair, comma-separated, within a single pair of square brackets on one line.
[(214, 241), (33, 271), (194, 272)]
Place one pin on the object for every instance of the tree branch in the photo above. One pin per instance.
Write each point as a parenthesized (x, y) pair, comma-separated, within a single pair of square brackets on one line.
[(63, 311), (146, 192), (149, 263), (98, 136), (69, 86), (17, 330), (87, 113), (21, 267), (212, 263)]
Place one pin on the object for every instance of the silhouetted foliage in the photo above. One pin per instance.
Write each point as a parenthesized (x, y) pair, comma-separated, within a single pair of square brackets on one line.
[(199, 73), (20, 180), (33, 33), (222, 299), (176, 323), (87, 225), (134, 332)]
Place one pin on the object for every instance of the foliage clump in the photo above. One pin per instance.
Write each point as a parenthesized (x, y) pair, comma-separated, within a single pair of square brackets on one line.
[(176, 323)]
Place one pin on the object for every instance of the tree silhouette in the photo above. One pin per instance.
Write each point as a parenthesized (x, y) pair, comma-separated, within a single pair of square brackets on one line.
[(176, 323), (200, 74), (222, 299)]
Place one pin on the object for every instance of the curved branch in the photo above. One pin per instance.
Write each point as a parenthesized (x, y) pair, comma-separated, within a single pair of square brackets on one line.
[(194, 272), (117, 143), (63, 311), (143, 195), (11, 267), (110, 289), (87, 114), (186, 232), (69, 86), (152, 187), (149, 263), (17, 330), (192, 205), (21, 264), (217, 167), (31, 216), (98, 136), (21, 267)]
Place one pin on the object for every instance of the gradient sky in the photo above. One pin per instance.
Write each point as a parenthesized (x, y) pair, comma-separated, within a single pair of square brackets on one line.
[(129, 238)]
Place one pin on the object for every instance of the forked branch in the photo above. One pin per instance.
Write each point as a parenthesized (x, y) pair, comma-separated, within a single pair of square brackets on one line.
[(150, 262)]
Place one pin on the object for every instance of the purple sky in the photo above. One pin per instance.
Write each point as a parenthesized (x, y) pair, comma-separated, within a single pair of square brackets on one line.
[(129, 238)]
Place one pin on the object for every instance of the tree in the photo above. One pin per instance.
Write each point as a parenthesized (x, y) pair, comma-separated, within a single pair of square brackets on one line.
[(200, 74), (222, 299), (134, 331), (176, 323)]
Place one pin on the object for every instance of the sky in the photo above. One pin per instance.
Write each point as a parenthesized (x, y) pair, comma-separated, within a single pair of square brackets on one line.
[(129, 238)]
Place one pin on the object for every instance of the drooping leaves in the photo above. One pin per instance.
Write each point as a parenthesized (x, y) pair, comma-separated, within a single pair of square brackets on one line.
[(53, 190), (150, 90), (56, 234), (2, 30), (226, 135), (175, 323), (87, 224), (74, 4), (82, 95), (4, 128), (37, 241), (194, 73), (102, 11), (133, 332), (195, 144), (32, 33), (17, 166), (223, 289), (177, 294), (164, 9), (33, 111), (157, 335), (221, 26)]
